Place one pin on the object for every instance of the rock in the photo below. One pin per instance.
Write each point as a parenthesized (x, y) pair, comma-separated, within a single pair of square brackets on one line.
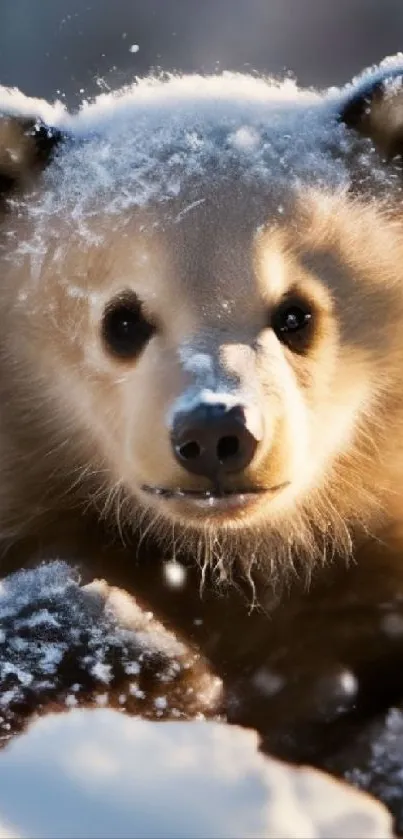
[(63, 644)]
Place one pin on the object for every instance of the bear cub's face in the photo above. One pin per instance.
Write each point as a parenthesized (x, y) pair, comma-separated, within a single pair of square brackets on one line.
[(226, 344)]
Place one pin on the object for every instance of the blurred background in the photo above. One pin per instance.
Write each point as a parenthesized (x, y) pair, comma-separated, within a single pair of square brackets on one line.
[(76, 47)]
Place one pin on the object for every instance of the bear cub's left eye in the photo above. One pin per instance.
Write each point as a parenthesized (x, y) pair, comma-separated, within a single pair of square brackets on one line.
[(125, 328), (293, 323)]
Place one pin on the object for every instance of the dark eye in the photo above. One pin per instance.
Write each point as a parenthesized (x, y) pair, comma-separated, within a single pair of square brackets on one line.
[(125, 329), (292, 322)]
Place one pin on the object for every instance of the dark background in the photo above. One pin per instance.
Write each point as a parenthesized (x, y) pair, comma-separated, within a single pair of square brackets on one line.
[(65, 45)]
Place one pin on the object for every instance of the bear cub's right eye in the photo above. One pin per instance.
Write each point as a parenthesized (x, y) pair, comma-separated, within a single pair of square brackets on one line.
[(125, 329), (293, 323)]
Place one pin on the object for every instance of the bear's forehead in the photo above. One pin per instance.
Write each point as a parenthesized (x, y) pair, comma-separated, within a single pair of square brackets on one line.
[(164, 141), (154, 156), (162, 147)]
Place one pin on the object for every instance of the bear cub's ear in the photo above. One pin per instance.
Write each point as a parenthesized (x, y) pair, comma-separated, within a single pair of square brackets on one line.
[(375, 109), (26, 146)]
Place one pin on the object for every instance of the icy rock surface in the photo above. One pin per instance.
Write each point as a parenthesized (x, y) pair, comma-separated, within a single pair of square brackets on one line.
[(101, 774), (65, 643)]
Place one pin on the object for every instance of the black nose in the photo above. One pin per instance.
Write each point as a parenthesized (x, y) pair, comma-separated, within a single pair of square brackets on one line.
[(212, 440)]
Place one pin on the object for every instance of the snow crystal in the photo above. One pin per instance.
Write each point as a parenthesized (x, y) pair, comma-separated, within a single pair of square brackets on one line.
[(134, 690), (245, 138), (41, 618), (102, 671), (188, 208), (134, 48), (9, 668), (6, 698), (196, 362), (133, 668)]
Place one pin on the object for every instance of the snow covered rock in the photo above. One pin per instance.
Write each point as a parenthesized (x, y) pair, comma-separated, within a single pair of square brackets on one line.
[(67, 644)]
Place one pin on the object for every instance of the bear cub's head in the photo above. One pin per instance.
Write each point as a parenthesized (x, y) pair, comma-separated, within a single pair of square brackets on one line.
[(202, 308)]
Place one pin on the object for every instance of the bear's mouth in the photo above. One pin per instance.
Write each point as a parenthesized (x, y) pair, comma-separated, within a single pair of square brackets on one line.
[(215, 499)]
